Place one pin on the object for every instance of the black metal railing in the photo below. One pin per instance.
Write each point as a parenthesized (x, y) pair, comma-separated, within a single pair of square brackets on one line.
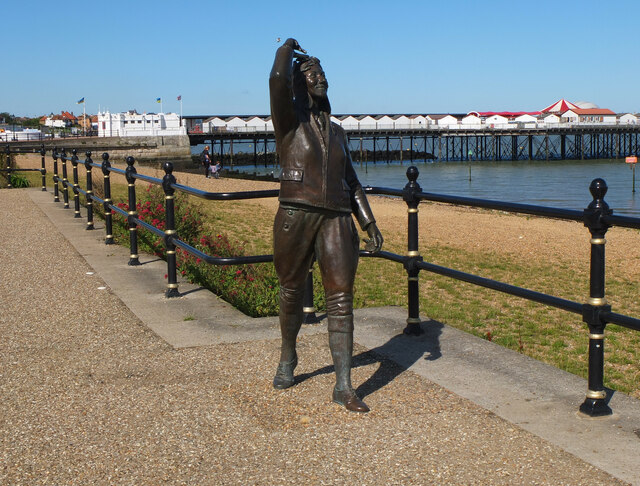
[(597, 218), (10, 168)]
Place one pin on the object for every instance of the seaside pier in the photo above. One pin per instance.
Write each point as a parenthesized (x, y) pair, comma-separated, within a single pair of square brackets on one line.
[(254, 146)]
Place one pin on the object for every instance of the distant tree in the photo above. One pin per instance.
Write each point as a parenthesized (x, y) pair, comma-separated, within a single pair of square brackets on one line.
[(32, 122)]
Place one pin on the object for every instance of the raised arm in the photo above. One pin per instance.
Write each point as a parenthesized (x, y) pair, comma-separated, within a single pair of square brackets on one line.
[(281, 89)]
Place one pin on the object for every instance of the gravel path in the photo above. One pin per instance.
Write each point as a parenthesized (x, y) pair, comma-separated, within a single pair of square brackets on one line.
[(91, 396)]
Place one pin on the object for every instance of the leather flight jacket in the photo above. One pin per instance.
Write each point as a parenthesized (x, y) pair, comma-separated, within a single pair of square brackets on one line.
[(317, 170)]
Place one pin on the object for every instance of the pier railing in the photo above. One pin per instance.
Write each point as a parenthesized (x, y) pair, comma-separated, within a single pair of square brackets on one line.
[(597, 218)]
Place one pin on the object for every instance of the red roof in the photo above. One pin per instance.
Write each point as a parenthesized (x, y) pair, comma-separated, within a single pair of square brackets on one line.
[(593, 111), (560, 106), (508, 114)]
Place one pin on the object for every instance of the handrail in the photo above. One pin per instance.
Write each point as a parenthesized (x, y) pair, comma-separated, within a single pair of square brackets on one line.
[(597, 217)]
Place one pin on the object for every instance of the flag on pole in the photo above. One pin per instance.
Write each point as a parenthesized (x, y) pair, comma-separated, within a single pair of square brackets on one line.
[(158, 100), (179, 97), (80, 101)]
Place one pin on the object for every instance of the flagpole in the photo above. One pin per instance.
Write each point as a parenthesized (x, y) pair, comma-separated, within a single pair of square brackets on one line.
[(84, 119)]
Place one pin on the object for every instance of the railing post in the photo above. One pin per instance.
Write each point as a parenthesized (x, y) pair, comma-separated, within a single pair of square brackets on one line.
[(595, 403), (133, 214), (76, 193), (409, 194), (170, 230), (56, 187), (88, 167), (108, 215), (43, 169), (7, 151), (308, 309), (65, 182)]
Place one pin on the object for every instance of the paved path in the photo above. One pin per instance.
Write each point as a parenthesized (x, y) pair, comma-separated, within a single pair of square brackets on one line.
[(104, 381)]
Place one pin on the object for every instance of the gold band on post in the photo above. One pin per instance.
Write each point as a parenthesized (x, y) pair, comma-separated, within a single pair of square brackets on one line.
[(413, 320), (131, 185), (597, 301), (108, 200), (172, 286), (597, 241), (308, 310), (413, 253), (596, 394), (171, 252), (596, 336), (170, 232), (133, 256), (133, 229), (109, 236), (412, 210), (168, 197), (132, 213), (413, 279)]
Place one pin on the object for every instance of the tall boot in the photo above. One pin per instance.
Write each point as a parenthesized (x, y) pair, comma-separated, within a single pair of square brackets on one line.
[(341, 345), (290, 323)]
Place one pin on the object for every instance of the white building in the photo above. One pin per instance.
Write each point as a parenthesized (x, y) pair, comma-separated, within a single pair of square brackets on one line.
[(444, 120), (549, 119), (367, 122), (471, 121), (350, 123), (497, 121), (402, 122), (133, 124), (419, 121), (526, 121), (628, 119), (570, 117), (213, 124)]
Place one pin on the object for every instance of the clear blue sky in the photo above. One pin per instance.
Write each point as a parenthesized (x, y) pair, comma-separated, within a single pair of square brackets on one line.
[(379, 56)]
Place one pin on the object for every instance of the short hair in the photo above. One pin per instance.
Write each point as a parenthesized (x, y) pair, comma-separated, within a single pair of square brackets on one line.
[(309, 63)]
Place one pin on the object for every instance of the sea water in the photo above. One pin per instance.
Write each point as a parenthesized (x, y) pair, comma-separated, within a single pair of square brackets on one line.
[(557, 183)]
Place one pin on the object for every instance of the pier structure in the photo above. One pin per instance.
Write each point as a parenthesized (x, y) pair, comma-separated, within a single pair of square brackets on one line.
[(485, 144)]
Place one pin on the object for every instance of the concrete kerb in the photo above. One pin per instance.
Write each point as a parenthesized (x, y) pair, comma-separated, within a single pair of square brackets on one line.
[(539, 398)]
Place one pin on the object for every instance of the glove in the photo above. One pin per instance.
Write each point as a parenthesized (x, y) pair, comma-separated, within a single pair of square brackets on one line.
[(374, 243)]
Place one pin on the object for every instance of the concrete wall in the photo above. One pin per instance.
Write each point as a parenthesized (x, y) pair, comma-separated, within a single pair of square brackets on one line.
[(146, 150)]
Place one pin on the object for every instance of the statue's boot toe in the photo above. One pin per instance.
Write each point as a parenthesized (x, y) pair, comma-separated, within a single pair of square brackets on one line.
[(349, 400), (284, 374)]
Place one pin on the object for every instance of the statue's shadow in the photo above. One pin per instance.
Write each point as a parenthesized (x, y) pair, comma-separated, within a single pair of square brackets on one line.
[(394, 357)]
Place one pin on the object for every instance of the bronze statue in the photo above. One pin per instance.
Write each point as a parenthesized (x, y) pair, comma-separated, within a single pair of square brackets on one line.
[(319, 189)]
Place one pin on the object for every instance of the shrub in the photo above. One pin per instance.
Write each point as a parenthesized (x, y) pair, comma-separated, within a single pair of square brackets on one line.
[(253, 289), (19, 181)]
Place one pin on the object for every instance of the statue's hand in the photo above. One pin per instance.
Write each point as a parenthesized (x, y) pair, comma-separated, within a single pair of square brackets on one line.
[(374, 244), (294, 45)]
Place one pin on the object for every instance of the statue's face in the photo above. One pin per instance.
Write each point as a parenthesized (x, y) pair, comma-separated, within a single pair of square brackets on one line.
[(317, 84)]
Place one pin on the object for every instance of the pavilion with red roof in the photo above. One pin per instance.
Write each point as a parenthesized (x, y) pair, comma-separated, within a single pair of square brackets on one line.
[(560, 106)]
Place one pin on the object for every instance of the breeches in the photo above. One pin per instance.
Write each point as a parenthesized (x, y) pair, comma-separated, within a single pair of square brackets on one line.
[(332, 237)]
